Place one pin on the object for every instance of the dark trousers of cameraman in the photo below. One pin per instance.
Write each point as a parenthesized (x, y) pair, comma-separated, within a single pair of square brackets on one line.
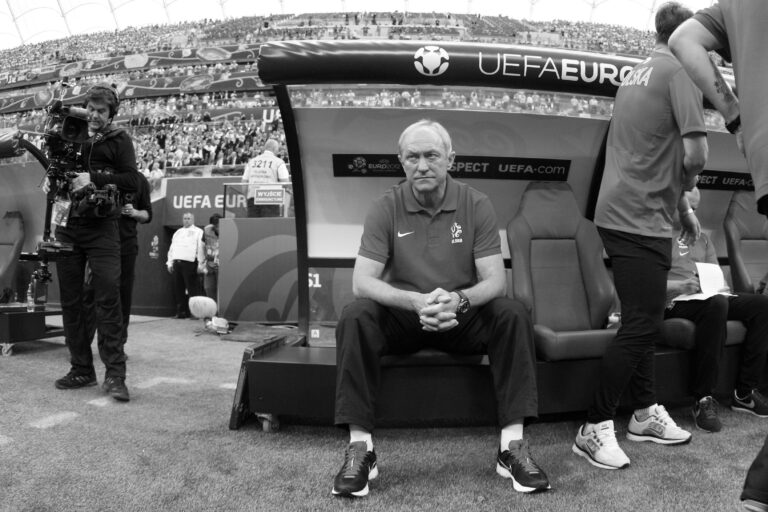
[(96, 243), (127, 277)]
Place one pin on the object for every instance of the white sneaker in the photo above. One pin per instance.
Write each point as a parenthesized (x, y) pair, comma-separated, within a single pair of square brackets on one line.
[(658, 427), (599, 446)]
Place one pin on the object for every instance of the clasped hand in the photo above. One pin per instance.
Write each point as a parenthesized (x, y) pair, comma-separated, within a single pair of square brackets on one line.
[(437, 311)]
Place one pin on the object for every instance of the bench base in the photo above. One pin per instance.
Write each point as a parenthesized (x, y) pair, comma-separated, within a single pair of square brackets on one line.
[(297, 383)]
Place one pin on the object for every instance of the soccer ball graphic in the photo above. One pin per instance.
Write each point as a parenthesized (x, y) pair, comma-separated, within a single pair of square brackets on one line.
[(431, 60)]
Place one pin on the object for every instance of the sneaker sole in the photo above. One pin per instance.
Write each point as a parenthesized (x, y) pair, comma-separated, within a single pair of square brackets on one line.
[(581, 453), (748, 411), (506, 473), (362, 492), (658, 440), (90, 384)]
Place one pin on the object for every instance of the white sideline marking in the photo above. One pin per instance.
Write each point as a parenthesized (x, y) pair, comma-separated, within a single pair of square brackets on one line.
[(5, 440), (101, 402), (55, 419), (228, 385), (162, 380)]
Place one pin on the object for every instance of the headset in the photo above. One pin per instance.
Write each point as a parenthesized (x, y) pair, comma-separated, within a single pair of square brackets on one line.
[(114, 104)]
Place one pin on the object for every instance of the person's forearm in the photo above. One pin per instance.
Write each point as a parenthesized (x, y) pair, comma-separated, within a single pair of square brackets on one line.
[(142, 216), (366, 287), (707, 77)]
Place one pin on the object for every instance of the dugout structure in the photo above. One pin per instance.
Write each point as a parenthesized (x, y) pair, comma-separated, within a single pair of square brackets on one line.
[(342, 151)]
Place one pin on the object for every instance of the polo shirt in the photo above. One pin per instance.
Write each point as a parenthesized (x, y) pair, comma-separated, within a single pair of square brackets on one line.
[(656, 104), (421, 251), (685, 257), (741, 28)]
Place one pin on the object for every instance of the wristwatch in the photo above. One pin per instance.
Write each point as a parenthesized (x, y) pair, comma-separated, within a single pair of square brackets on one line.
[(463, 305)]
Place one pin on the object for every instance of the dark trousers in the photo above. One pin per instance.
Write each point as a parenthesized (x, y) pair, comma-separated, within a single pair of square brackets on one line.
[(756, 483), (127, 275), (640, 265), (263, 210), (211, 283), (367, 331), (186, 284), (710, 317), (97, 244)]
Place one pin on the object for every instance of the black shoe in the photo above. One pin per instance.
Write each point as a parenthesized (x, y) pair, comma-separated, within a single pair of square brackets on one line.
[(516, 463), (74, 380), (705, 415), (182, 315), (754, 403), (359, 467), (115, 387)]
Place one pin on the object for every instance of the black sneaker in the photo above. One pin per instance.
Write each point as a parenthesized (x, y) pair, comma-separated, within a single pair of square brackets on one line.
[(115, 387), (754, 403), (74, 380), (516, 463), (705, 415), (359, 467)]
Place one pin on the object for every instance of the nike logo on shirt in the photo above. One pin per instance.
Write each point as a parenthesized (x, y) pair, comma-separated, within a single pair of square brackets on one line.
[(401, 235)]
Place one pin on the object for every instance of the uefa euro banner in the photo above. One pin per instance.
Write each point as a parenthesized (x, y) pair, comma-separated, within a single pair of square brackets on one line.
[(443, 63)]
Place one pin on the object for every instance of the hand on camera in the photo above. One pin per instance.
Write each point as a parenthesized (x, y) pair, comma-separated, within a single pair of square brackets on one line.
[(128, 210), (81, 180)]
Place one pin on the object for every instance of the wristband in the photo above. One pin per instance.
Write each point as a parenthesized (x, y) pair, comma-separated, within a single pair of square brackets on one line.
[(734, 125)]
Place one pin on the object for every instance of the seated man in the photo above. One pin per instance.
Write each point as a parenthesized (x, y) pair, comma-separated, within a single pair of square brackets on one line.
[(710, 317), (429, 273)]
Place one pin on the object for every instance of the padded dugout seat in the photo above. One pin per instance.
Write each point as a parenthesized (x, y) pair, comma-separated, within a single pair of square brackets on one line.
[(746, 238), (559, 274), (11, 243)]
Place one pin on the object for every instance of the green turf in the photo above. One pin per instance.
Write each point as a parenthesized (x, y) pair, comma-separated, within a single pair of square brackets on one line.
[(170, 448)]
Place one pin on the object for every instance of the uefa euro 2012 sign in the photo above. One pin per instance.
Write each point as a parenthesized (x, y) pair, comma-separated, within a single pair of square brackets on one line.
[(442, 63)]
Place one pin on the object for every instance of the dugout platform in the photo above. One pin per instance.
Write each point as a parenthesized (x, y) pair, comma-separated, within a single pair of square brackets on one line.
[(343, 156)]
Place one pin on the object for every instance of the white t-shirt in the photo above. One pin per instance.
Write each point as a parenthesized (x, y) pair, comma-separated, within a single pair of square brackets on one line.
[(265, 168)]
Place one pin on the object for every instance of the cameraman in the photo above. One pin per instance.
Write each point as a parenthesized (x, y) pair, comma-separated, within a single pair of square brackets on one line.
[(137, 209), (91, 228)]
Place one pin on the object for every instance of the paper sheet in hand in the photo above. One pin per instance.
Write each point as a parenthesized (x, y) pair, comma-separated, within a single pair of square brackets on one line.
[(711, 281)]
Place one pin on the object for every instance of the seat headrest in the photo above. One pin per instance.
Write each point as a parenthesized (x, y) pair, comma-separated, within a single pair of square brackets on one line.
[(550, 210), (743, 212)]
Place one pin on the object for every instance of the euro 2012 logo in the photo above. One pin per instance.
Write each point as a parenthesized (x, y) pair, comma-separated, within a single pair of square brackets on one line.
[(431, 60), (359, 164)]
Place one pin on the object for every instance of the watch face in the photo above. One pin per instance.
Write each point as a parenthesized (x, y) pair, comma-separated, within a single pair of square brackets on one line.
[(463, 306)]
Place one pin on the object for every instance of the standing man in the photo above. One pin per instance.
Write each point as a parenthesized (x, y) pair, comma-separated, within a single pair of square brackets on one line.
[(137, 208), (210, 269), (184, 256), (737, 30), (656, 146), (429, 273), (109, 159), (267, 168)]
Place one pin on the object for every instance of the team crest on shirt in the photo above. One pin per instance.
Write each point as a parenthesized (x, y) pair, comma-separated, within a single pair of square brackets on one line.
[(456, 233)]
